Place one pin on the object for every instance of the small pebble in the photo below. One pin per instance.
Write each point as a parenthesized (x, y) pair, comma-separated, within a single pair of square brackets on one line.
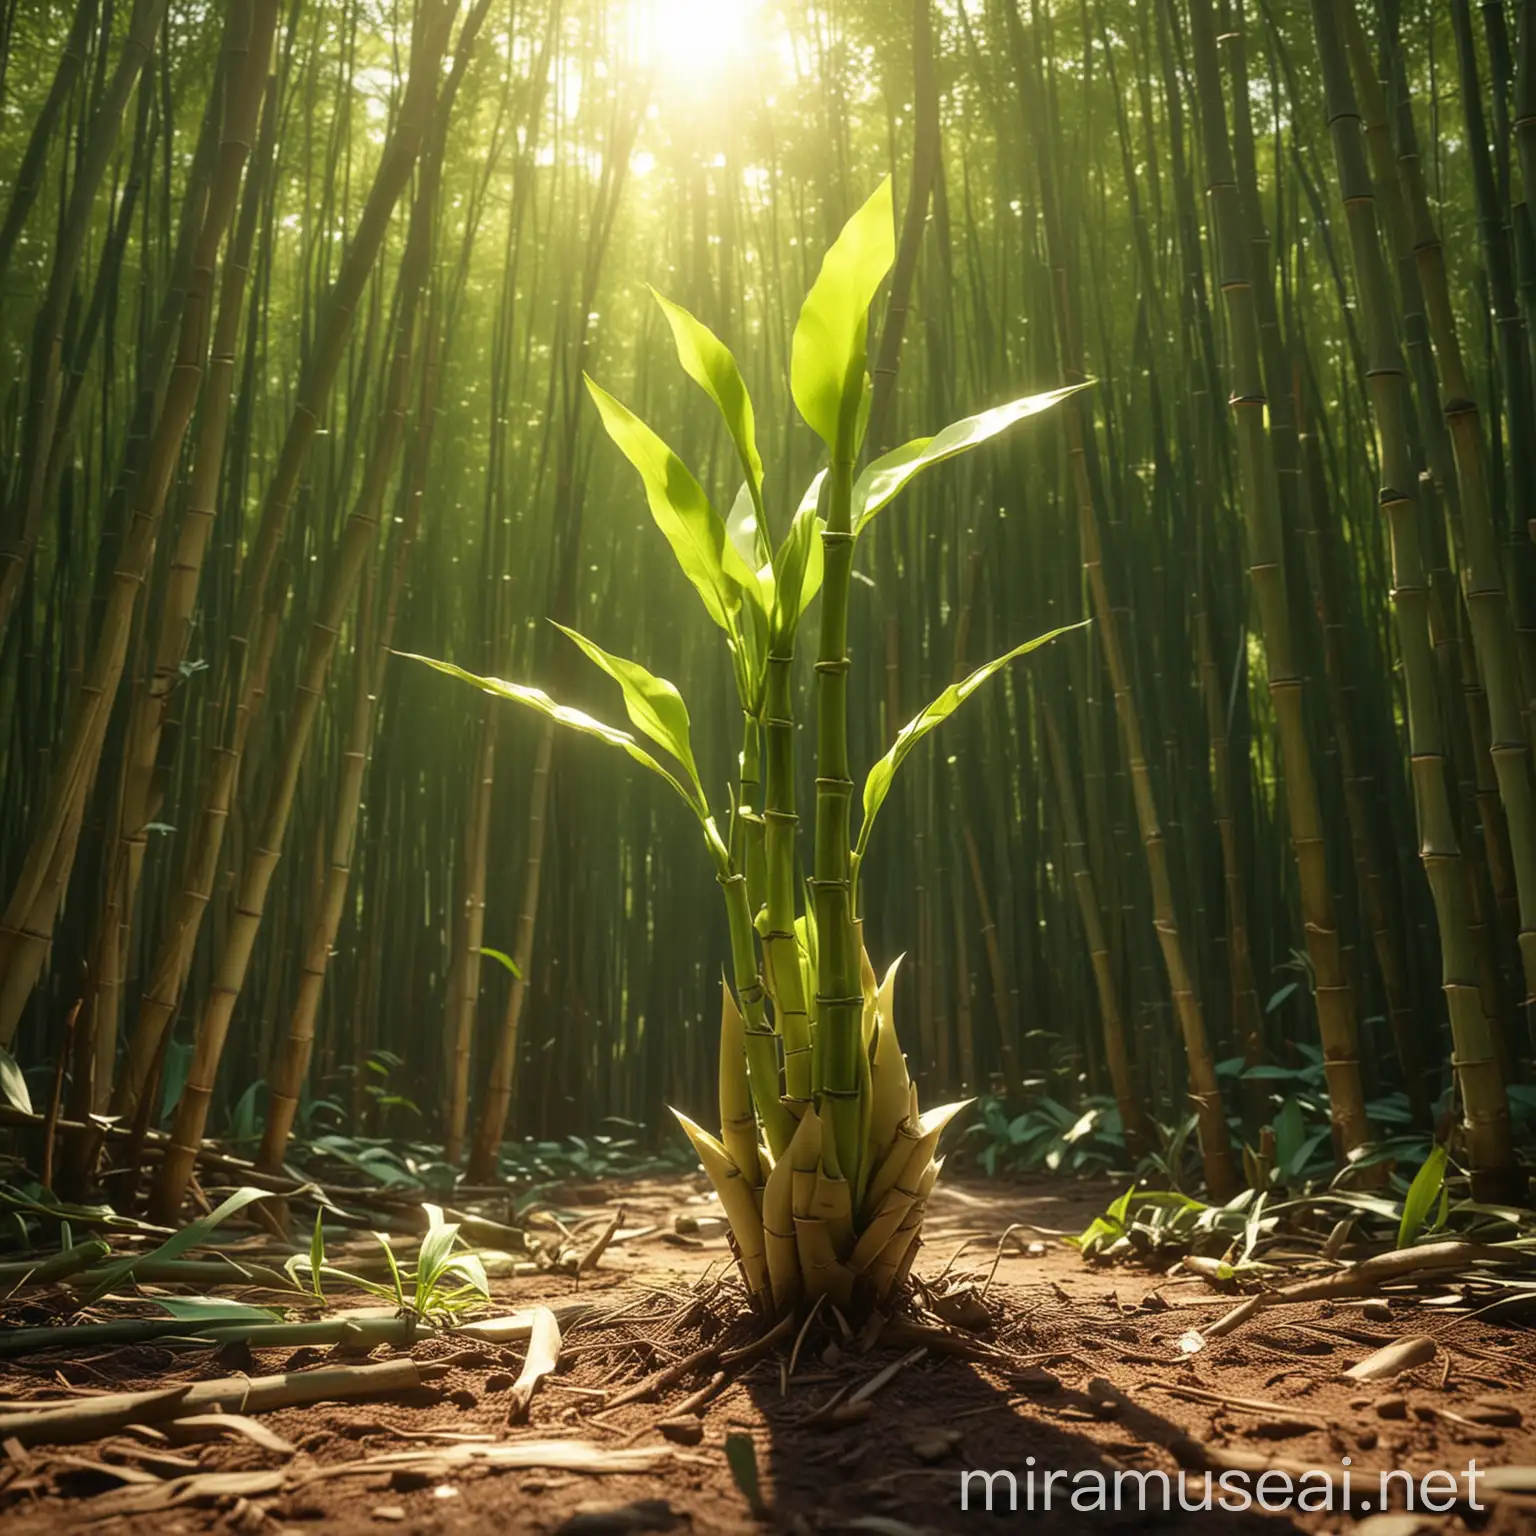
[(407, 1479), (1394, 1523), (934, 1445), (1035, 1379), (1366, 1439), (1393, 1406), (592, 1518), (388, 1512), (1282, 1429), (685, 1429)]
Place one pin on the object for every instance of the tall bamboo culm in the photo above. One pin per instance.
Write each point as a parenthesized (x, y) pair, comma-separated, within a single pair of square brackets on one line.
[(1479, 1079)]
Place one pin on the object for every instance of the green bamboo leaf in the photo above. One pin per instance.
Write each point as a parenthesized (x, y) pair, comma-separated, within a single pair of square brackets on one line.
[(826, 370), (213, 1310), (502, 959), (679, 508), (709, 363), (382, 1238), (654, 706), (572, 719), (741, 1458), (749, 564), (317, 1254), (884, 480), (1421, 1196), (877, 785), (797, 567), (745, 528), (470, 1269), (13, 1086), (433, 1254), (173, 1247)]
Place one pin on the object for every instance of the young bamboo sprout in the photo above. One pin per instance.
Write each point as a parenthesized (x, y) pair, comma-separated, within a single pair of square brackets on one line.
[(824, 1163)]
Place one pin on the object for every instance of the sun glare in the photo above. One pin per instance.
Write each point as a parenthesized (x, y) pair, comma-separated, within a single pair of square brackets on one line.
[(690, 42)]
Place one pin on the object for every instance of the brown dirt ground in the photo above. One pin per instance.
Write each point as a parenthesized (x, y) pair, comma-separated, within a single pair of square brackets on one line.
[(933, 1418)]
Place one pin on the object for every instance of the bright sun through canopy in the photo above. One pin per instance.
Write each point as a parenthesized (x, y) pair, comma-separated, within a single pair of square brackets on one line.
[(686, 40)]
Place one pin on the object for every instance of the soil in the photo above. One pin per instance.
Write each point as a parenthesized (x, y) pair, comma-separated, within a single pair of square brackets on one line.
[(1090, 1356)]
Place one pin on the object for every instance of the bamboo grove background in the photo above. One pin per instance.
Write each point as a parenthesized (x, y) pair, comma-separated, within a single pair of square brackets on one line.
[(295, 300)]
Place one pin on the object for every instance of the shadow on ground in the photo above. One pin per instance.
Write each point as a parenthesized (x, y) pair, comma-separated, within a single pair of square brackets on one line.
[(940, 1419)]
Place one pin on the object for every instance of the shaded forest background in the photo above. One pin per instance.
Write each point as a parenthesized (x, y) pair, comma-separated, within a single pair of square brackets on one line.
[(295, 302)]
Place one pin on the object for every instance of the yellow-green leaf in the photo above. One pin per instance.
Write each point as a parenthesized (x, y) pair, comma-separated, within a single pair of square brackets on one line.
[(13, 1086), (883, 480), (654, 706), (679, 507), (797, 567), (709, 363), (1421, 1196), (572, 719), (877, 785), (826, 368)]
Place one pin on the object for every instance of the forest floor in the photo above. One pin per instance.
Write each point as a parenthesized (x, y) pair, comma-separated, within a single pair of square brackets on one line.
[(1087, 1374)]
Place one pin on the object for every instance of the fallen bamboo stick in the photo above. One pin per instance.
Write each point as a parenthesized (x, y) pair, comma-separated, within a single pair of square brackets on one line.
[(1368, 1276), (370, 1332), (73, 1421), (57, 1266)]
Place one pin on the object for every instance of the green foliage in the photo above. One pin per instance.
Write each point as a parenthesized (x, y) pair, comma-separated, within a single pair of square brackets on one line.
[(447, 1280), (655, 708), (317, 1254), (190, 1236), (797, 568), (1145, 1221), (891, 473), (245, 1118), (878, 782), (826, 369), (828, 1066), (1047, 1136), (681, 510), (1428, 1186), (1300, 1121), (741, 1458), (13, 1086), (504, 960), (709, 363), (215, 1310), (383, 1162), (572, 719)]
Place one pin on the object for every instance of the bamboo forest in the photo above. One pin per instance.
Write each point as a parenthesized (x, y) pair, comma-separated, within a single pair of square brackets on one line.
[(527, 1003)]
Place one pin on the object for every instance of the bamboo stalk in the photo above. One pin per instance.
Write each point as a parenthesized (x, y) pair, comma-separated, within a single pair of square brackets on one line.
[(356, 541), (241, 678), (1116, 1048), (1266, 558), (1204, 1093), (24, 514), (1485, 1110)]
